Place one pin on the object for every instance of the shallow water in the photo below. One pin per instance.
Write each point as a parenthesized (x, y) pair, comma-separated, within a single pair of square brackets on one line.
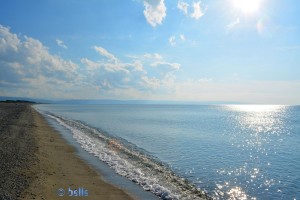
[(231, 152)]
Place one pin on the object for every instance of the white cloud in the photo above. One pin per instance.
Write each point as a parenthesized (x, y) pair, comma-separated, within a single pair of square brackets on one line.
[(172, 40), (107, 66), (137, 73), (233, 24), (155, 11), (153, 56), (197, 8), (155, 70), (90, 65), (61, 43), (172, 65), (27, 67), (183, 6), (152, 83), (198, 11), (138, 66), (9, 42), (105, 53), (114, 64), (30, 55)]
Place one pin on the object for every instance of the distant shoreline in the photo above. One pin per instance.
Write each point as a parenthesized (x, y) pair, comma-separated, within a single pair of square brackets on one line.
[(116, 101), (18, 101), (46, 164)]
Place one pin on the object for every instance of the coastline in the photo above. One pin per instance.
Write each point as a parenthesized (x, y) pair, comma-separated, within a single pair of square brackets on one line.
[(123, 164), (48, 162)]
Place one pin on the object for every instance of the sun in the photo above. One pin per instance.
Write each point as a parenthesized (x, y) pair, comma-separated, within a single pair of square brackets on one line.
[(247, 6)]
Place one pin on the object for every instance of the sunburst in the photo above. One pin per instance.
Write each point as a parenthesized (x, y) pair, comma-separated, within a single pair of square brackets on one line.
[(247, 6)]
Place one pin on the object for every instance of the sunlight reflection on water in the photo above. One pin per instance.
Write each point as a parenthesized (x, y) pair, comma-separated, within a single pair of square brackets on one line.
[(256, 132)]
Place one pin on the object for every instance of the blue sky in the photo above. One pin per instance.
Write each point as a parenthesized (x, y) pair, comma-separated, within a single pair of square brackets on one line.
[(213, 50)]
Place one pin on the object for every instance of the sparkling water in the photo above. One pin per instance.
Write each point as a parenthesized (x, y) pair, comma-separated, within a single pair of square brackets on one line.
[(228, 151)]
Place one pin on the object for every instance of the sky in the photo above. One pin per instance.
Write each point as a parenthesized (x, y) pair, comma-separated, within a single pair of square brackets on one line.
[(210, 50)]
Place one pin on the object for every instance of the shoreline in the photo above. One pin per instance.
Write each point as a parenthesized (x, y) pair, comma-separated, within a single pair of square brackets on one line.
[(48, 162), (140, 172), (108, 174)]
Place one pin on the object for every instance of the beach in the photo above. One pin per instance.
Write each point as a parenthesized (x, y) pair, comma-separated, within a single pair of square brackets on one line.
[(36, 163)]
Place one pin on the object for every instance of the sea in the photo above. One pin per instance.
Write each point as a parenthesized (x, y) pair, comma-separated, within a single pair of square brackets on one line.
[(192, 151)]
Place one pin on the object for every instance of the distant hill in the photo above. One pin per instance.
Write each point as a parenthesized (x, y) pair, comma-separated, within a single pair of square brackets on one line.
[(18, 101), (25, 99)]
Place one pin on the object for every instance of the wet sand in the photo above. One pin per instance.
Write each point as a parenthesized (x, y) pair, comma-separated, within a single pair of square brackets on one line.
[(35, 161)]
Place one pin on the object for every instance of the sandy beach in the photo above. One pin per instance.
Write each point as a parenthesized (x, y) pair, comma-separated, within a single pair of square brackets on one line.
[(35, 162)]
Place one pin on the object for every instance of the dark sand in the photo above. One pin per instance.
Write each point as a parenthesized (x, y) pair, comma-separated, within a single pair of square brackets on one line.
[(35, 161)]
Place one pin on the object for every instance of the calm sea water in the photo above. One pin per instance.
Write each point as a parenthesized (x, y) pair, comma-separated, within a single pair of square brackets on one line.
[(230, 151)]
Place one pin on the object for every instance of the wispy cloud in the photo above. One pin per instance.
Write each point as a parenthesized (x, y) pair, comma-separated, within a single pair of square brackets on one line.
[(183, 6), (155, 11), (103, 52), (197, 9), (152, 83), (153, 56), (233, 24), (172, 65), (61, 43), (173, 39)]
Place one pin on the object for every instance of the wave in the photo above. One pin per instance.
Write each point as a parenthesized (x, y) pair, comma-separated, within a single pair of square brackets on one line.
[(131, 162)]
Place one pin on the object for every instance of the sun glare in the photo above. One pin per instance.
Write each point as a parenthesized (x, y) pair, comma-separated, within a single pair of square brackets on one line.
[(247, 6), (256, 108)]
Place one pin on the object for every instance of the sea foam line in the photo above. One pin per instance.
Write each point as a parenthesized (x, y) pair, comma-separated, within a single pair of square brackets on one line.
[(134, 165)]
